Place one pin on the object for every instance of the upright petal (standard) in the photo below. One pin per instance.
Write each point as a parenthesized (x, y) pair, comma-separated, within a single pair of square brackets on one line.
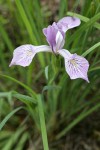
[(54, 36)]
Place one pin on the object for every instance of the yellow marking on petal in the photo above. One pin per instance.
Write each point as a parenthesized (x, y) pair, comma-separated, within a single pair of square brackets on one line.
[(56, 50), (29, 53), (73, 62)]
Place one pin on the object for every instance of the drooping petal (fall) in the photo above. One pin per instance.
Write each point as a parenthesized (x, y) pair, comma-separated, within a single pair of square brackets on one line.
[(24, 54), (68, 22), (76, 66)]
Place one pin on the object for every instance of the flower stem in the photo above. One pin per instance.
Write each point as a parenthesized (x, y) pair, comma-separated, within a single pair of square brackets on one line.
[(42, 123)]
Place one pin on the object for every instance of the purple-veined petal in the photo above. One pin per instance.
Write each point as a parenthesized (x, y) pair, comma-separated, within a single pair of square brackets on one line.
[(76, 66), (68, 22), (24, 54)]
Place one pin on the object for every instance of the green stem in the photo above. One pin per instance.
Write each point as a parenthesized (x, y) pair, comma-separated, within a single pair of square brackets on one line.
[(42, 123)]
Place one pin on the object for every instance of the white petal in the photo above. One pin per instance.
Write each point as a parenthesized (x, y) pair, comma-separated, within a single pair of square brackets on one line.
[(59, 40), (64, 53), (43, 48)]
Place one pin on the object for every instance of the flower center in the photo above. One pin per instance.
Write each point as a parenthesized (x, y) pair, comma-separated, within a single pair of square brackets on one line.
[(29, 53), (73, 62)]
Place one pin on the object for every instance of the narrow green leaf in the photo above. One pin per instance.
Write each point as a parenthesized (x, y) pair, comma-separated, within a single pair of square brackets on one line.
[(25, 98), (77, 120), (22, 141), (91, 49), (46, 72), (85, 26), (11, 142), (8, 95), (5, 134), (8, 117), (26, 21), (42, 123), (50, 87), (20, 83), (63, 8), (6, 38), (95, 68)]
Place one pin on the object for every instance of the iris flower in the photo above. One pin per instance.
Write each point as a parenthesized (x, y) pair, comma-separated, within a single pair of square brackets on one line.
[(76, 66)]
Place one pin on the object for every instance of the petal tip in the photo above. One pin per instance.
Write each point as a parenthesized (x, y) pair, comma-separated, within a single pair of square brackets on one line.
[(11, 64), (87, 80)]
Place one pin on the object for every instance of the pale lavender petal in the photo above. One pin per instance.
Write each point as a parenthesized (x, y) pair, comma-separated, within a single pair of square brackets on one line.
[(53, 35), (45, 31), (50, 33), (24, 54), (68, 22), (76, 66)]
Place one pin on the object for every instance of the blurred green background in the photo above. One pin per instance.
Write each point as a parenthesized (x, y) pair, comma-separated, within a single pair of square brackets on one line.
[(71, 106)]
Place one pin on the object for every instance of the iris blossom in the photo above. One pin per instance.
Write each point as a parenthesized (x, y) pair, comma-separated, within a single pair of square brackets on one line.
[(76, 66)]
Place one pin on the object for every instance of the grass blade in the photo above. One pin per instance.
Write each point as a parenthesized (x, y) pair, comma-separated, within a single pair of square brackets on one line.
[(77, 120), (42, 123), (91, 49), (20, 83), (8, 117)]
